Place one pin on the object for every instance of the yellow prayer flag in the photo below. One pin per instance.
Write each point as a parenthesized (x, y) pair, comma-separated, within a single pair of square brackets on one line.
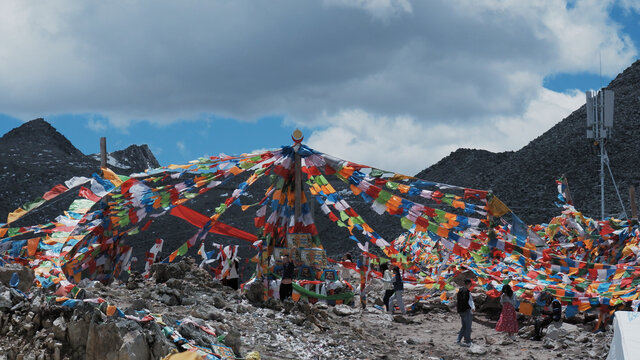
[(18, 213), (526, 308), (496, 207), (111, 176)]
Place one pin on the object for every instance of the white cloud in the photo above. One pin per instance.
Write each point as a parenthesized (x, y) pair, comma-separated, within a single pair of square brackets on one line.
[(631, 5), (426, 65), (181, 147), (96, 125), (378, 8), (405, 145)]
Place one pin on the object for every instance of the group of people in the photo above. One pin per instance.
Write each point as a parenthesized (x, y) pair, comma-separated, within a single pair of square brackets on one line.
[(393, 288), (508, 321)]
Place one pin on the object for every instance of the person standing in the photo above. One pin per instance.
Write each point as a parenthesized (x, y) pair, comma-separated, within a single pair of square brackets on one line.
[(398, 289), (465, 307), (286, 284), (232, 279), (387, 282), (508, 321)]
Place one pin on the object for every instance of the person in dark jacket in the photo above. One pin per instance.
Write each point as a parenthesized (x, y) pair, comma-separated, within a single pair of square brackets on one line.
[(286, 284), (555, 315), (398, 289), (465, 307)]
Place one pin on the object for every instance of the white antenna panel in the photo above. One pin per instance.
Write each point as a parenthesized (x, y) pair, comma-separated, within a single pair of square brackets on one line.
[(590, 108), (608, 108)]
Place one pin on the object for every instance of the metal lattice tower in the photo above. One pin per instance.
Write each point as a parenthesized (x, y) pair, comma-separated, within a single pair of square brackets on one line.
[(599, 126)]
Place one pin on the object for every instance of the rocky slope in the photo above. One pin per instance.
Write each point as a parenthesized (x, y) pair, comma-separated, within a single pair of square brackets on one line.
[(524, 179), (182, 300)]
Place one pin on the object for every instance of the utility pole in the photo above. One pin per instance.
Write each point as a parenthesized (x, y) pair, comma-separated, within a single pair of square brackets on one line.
[(632, 201), (103, 152)]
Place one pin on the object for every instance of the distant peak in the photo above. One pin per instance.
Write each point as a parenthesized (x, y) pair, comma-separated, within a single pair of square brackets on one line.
[(40, 133)]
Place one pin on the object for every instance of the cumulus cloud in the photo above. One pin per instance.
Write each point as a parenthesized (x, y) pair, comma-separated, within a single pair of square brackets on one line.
[(403, 144), (96, 125), (631, 5), (163, 61), (413, 64), (380, 9), (181, 146)]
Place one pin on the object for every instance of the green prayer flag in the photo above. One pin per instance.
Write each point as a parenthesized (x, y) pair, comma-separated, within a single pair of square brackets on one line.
[(406, 223), (183, 249), (449, 287), (376, 173), (34, 204), (245, 165), (222, 208), (383, 197), (392, 185)]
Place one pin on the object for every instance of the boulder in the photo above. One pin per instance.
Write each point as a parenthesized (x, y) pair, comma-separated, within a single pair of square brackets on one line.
[(460, 278), (561, 330), (192, 332), (175, 283), (218, 301), (255, 292), (137, 305), (273, 304), (477, 349), (288, 305), (60, 329), (169, 300), (549, 344), (489, 304), (163, 272), (160, 345), (401, 319), (77, 334), (25, 275), (5, 299), (103, 341), (344, 310), (134, 347), (232, 340)]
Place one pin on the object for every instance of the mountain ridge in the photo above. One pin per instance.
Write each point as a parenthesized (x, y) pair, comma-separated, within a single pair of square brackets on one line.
[(35, 156), (524, 179)]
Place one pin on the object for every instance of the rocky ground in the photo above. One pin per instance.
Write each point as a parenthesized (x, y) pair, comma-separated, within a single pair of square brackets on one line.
[(186, 299)]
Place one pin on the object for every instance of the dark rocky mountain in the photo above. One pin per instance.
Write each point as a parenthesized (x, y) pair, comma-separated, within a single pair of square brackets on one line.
[(524, 179), (35, 156), (134, 157)]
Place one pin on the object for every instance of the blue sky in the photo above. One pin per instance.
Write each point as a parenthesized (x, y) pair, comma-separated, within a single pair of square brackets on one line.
[(395, 84), (173, 143)]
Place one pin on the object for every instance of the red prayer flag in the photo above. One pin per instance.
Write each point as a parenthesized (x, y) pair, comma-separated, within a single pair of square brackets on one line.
[(55, 191)]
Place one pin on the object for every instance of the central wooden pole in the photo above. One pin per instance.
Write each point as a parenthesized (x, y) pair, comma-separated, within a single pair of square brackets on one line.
[(103, 152), (298, 184), (297, 139)]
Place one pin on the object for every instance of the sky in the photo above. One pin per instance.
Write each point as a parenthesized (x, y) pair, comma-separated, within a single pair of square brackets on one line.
[(395, 84)]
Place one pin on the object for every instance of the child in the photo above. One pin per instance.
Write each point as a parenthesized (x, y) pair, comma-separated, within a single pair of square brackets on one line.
[(508, 321)]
